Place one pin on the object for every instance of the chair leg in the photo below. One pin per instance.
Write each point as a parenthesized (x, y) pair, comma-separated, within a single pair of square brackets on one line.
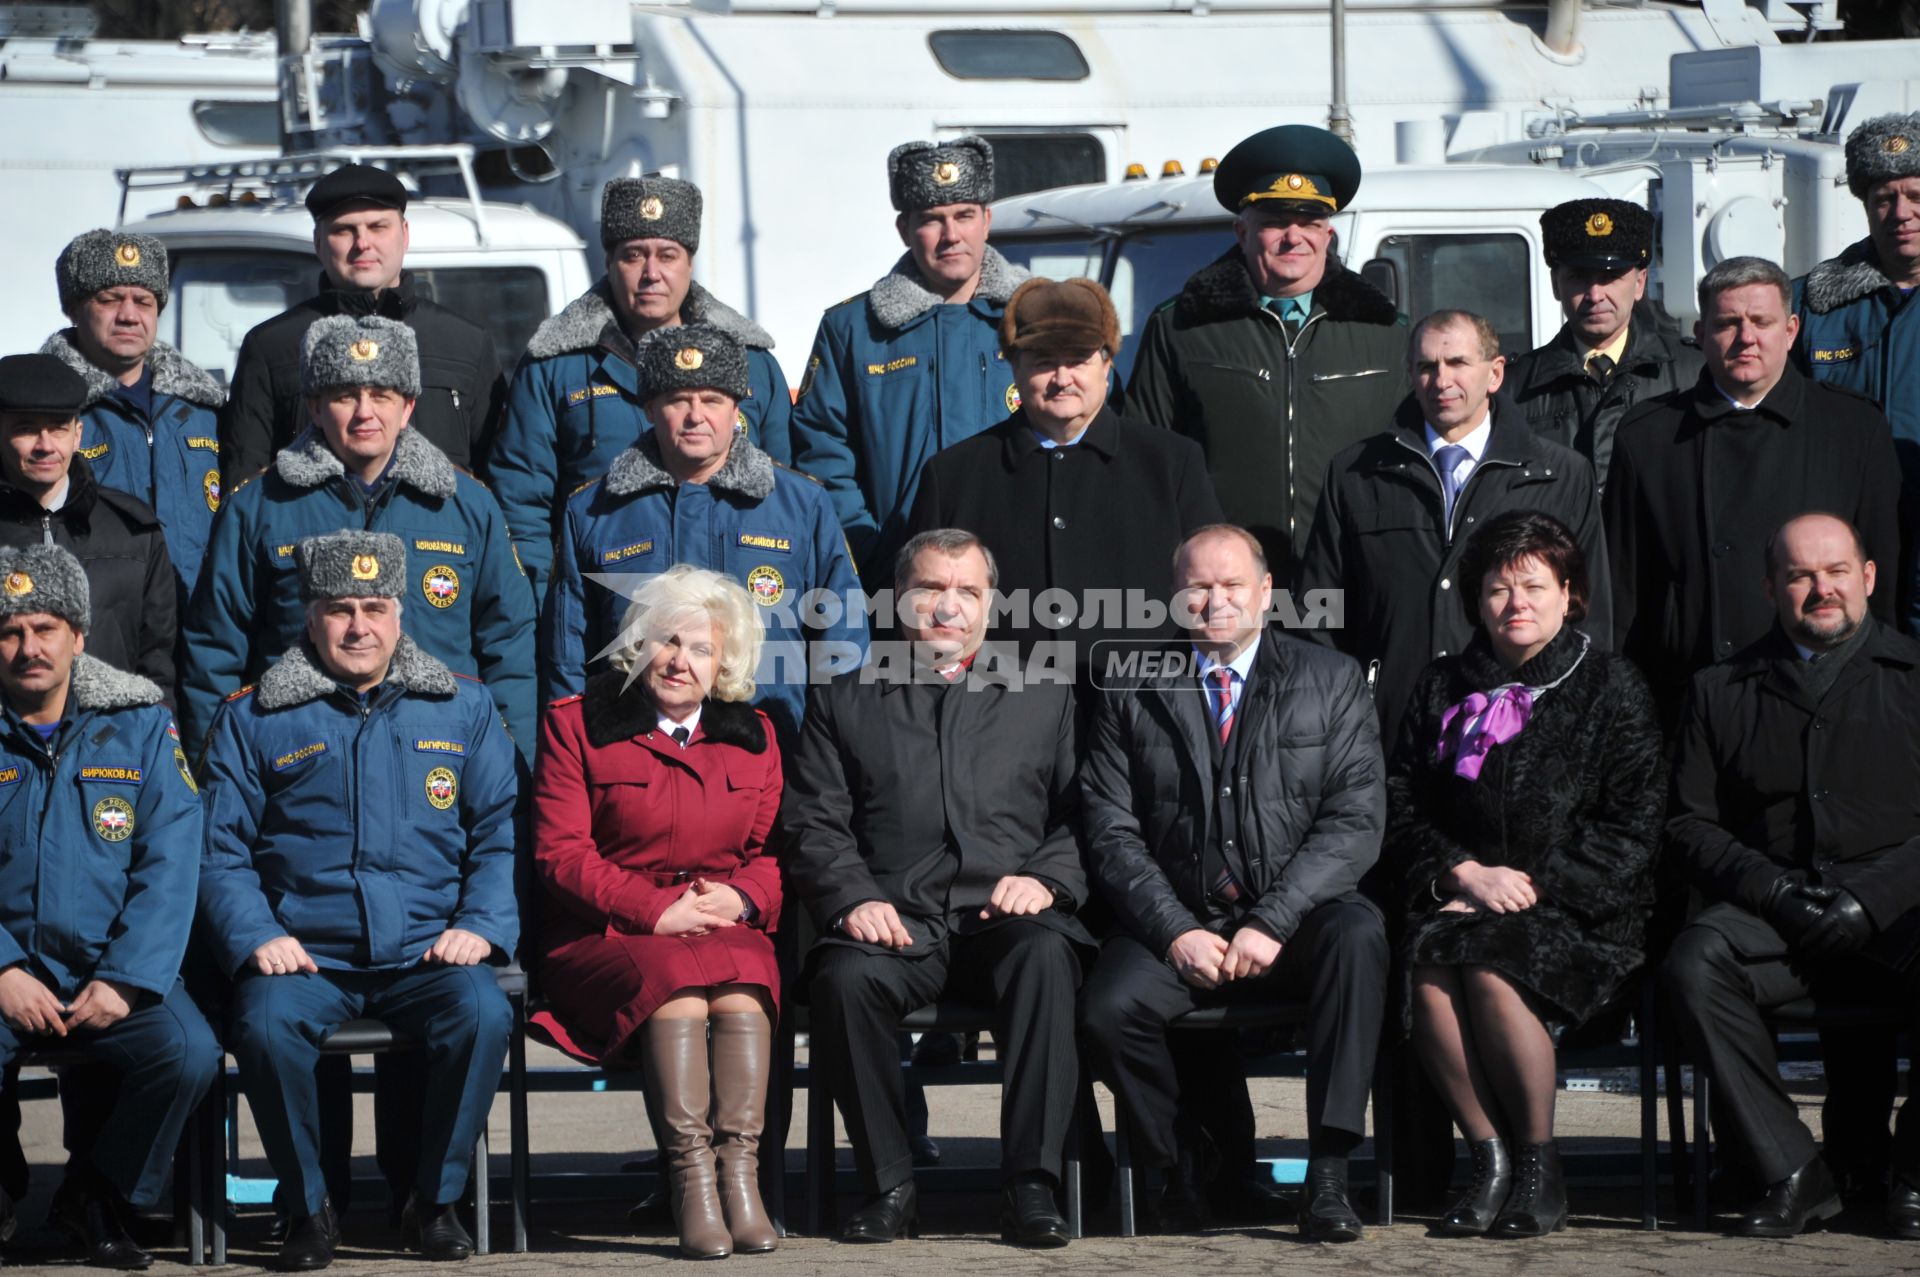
[(1070, 1169), (482, 1198), (218, 1116), (521, 1165), (1649, 1116), (1677, 1151), (194, 1182), (1123, 1173), (777, 1128), (1383, 1137), (1702, 1150), (820, 1153)]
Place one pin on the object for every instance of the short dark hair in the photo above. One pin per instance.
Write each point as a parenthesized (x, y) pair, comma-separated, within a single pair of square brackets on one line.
[(1739, 272), (952, 542), (1773, 538), (1481, 326), (1514, 536)]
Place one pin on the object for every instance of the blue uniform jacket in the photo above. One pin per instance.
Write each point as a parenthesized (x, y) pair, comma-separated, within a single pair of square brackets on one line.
[(99, 838), (767, 528), (1859, 331), (468, 605), (895, 377), (169, 459), (361, 830), (576, 404)]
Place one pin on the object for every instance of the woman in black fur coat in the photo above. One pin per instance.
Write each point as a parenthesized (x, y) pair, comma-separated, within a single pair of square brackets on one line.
[(1524, 805)]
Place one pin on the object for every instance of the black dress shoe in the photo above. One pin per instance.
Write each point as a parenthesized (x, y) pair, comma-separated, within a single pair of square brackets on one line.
[(91, 1215), (925, 1151), (1030, 1218), (435, 1231), (1787, 1207), (311, 1240), (1903, 1209), (894, 1213), (1182, 1204), (1325, 1213), (1476, 1210)]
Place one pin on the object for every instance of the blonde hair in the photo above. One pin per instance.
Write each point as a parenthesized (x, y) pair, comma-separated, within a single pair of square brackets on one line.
[(668, 600)]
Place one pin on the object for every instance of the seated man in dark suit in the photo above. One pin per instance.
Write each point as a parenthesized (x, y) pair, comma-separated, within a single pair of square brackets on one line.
[(1796, 807), (1231, 810), (931, 813)]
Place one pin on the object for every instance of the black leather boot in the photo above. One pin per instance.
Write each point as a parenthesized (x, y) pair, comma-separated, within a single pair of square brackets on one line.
[(1537, 1204), (1474, 1213)]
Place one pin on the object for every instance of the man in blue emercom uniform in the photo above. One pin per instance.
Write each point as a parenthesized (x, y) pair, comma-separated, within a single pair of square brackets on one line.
[(99, 855), (359, 864), (362, 464), (694, 491), (913, 365), (151, 424), (577, 401)]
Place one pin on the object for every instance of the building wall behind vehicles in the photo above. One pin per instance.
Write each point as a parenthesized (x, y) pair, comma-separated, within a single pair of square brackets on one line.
[(70, 114), (785, 120)]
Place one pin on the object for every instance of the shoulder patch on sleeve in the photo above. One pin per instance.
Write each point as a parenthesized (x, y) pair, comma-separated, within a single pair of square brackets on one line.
[(799, 474)]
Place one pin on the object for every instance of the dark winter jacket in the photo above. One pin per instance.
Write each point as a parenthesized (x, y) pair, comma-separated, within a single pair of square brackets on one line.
[(1269, 413), (130, 577), (1769, 780), (1311, 793), (1576, 801), (1105, 515), (1688, 570), (577, 403), (1381, 537), (926, 794), (168, 458), (895, 376), (1567, 405), (461, 398)]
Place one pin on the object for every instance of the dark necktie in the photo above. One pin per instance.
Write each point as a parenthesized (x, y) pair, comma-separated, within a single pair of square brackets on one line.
[(1601, 366), (1448, 460), (681, 736)]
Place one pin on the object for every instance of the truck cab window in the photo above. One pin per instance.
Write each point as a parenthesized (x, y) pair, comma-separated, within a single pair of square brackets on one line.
[(1486, 274)]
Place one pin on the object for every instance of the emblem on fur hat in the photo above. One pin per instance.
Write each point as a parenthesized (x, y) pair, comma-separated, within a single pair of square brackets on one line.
[(1601, 234), (1599, 225), (688, 358), (1883, 149), (45, 578), (349, 564), (928, 174), (104, 259), (359, 350)]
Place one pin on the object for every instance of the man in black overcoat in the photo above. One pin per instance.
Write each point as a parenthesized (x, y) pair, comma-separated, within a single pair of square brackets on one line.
[(1796, 808), (1700, 479), (932, 815), (1232, 805)]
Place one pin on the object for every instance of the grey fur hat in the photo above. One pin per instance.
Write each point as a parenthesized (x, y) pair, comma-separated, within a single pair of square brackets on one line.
[(359, 350), (650, 208), (928, 174), (348, 564), (110, 259), (45, 578), (1885, 147), (692, 357)]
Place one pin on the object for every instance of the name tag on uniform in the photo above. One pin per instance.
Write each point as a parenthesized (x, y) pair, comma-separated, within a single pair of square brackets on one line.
[(440, 746), (580, 396), (440, 547), (892, 365), (112, 775), (1835, 355), (10, 776), (761, 541), (626, 552), (283, 551), (203, 441), (300, 755)]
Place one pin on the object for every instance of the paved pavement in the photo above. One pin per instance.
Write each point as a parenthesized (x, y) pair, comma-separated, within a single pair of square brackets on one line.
[(588, 1133)]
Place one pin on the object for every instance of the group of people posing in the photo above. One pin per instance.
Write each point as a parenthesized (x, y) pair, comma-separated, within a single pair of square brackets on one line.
[(1603, 636)]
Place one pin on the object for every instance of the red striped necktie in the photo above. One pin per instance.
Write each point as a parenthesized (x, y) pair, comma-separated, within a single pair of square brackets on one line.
[(1223, 701)]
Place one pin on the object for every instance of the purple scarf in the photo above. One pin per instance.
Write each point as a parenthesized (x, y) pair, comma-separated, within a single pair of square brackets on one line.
[(1485, 719)]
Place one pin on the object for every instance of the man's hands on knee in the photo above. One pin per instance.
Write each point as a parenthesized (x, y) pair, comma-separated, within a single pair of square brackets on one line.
[(1018, 896), (28, 1005), (101, 1003), (457, 948), (1843, 926), (876, 922), (1196, 956), (1252, 952), (282, 956)]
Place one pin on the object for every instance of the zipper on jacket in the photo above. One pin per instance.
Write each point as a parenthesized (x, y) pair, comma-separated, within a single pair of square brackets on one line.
[(1447, 515), (1288, 344), (46, 527)]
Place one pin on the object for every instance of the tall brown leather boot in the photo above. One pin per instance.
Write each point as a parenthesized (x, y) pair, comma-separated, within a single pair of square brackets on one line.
[(742, 1056), (681, 1092)]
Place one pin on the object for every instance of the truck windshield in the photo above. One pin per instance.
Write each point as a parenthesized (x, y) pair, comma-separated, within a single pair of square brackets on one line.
[(219, 295)]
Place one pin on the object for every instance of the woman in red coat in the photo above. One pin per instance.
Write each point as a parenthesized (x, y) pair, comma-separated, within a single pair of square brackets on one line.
[(653, 796)]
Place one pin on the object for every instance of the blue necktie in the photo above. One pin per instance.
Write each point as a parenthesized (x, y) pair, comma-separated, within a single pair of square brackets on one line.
[(1448, 460)]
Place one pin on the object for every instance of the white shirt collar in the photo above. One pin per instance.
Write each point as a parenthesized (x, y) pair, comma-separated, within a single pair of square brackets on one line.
[(1241, 665), (57, 499), (691, 722), (1738, 406), (1475, 442)]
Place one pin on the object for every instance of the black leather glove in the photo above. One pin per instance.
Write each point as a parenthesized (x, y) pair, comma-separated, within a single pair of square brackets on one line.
[(1844, 926), (1792, 913)]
